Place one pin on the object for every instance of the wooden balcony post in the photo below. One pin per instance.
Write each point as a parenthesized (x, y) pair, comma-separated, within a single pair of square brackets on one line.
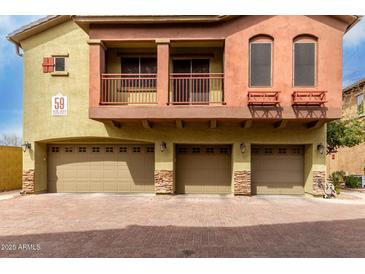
[(163, 57), (96, 68)]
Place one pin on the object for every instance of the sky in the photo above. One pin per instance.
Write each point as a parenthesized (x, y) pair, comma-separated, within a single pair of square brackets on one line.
[(11, 69)]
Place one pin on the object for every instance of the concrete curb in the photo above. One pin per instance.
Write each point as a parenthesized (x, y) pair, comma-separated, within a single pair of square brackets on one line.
[(9, 195)]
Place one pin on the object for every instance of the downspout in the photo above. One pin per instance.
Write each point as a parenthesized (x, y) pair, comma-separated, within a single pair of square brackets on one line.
[(18, 50)]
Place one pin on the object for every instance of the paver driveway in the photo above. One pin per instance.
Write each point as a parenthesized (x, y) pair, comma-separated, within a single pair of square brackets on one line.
[(97, 225)]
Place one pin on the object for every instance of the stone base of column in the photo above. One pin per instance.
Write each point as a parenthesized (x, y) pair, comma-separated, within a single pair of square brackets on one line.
[(28, 181), (242, 182), (319, 179), (164, 182)]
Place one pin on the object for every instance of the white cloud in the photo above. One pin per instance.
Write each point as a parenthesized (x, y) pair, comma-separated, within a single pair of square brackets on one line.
[(356, 35)]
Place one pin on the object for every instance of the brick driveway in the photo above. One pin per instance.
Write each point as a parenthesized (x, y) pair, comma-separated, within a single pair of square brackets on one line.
[(97, 225)]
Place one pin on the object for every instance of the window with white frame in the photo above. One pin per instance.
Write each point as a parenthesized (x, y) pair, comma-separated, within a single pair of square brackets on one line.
[(139, 65), (360, 104)]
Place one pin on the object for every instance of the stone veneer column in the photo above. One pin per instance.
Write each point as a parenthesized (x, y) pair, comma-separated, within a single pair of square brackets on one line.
[(164, 168), (319, 179), (242, 182), (28, 181), (164, 181)]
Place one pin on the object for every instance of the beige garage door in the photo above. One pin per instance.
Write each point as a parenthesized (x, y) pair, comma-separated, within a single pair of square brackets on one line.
[(100, 168), (277, 169), (203, 169)]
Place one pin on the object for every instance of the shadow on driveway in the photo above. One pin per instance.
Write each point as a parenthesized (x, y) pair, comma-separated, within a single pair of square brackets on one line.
[(343, 238)]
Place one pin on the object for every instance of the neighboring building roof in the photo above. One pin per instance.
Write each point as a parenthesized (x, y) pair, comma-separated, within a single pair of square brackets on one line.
[(84, 21), (357, 84)]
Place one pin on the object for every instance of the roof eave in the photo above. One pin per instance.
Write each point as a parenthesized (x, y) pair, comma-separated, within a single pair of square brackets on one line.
[(35, 27), (83, 21)]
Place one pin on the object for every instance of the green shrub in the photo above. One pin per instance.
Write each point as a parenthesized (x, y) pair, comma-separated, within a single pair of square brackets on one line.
[(353, 182), (337, 178)]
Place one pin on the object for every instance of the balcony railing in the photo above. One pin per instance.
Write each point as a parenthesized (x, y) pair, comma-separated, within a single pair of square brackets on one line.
[(120, 89), (309, 98), (263, 98), (196, 88)]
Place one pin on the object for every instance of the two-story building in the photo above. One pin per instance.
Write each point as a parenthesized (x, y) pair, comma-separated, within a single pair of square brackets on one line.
[(180, 104)]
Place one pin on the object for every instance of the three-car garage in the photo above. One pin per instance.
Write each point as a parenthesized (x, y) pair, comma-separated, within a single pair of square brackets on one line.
[(198, 169)]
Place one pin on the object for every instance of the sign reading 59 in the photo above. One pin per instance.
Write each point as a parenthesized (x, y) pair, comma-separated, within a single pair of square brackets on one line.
[(59, 105)]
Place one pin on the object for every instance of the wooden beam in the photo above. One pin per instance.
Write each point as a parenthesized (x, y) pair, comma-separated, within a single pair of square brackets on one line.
[(247, 123), (315, 124), (281, 124), (213, 123), (146, 124), (116, 124), (179, 123)]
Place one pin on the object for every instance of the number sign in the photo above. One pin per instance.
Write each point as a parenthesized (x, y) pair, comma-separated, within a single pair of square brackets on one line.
[(59, 105)]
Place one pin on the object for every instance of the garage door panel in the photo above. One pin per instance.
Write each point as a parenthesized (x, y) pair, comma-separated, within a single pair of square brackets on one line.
[(203, 169), (100, 168), (111, 187), (82, 173), (83, 187), (96, 186), (277, 169), (279, 190)]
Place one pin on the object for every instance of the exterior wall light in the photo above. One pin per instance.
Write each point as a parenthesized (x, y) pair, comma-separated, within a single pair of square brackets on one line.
[(26, 146), (242, 148), (163, 146), (320, 148)]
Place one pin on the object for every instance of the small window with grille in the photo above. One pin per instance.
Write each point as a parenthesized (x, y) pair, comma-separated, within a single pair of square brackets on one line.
[(82, 149), (268, 150), (255, 150), (60, 64), (55, 149), (136, 149), (68, 149), (123, 149), (95, 149), (223, 150), (282, 150), (209, 150), (297, 150), (183, 149), (150, 149), (109, 149), (196, 150)]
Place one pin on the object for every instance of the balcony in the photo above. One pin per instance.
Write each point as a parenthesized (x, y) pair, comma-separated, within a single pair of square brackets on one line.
[(126, 89), (162, 81), (196, 88)]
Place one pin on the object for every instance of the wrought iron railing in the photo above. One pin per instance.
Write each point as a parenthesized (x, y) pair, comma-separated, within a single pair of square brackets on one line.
[(119, 89)]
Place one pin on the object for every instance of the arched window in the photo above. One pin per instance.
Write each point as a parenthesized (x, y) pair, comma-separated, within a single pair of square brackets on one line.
[(261, 61), (304, 63)]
